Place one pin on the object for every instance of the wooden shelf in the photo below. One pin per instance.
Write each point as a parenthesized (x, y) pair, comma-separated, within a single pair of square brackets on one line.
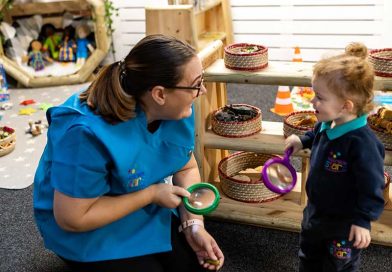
[(269, 140), (285, 213), (208, 37), (196, 27), (277, 73)]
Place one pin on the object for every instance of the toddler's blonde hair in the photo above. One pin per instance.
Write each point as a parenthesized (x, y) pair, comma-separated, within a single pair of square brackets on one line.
[(350, 76)]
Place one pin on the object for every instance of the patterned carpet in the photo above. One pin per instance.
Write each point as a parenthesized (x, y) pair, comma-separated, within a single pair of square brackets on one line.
[(18, 167)]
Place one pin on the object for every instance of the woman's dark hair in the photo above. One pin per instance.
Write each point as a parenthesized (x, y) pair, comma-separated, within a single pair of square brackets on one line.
[(155, 60)]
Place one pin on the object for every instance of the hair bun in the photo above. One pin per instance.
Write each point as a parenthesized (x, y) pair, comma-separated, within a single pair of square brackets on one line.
[(356, 49)]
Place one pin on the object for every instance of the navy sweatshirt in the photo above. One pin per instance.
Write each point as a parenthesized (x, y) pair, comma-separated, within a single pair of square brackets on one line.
[(346, 178)]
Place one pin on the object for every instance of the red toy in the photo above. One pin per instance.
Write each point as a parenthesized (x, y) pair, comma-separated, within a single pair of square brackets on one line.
[(27, 102)]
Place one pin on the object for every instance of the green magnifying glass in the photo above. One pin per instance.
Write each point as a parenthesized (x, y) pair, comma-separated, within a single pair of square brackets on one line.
[(203, 200)]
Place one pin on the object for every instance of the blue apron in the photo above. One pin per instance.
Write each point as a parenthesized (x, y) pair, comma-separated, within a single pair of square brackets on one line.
[(86, 157)]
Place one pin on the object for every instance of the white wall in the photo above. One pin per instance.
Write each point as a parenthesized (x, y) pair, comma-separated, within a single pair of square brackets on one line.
[(318, 27), (130, 24)]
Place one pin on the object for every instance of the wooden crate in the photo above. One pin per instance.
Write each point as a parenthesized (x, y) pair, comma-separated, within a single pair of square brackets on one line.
[(50, 12)]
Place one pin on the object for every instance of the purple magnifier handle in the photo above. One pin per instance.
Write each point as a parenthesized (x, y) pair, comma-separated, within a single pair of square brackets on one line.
[(288, 152), (278, 174)]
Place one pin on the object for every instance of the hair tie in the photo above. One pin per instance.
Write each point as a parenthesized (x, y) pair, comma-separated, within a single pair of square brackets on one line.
[(123, 73)]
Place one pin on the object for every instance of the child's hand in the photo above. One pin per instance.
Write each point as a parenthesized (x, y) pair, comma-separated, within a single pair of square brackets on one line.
[(293, 141), (360, 235)]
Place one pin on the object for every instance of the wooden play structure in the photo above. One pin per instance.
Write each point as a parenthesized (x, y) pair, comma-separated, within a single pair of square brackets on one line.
[(196, 26), (51, 12), (286, 212)]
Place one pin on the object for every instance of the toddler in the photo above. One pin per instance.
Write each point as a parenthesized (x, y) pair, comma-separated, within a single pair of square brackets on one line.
[(345, 182)]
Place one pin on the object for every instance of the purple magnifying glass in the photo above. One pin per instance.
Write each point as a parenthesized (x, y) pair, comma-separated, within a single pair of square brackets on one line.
[(278, 174)]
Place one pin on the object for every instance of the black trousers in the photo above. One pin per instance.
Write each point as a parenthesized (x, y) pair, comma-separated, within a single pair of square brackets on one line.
[(324, 246), (181, 258)]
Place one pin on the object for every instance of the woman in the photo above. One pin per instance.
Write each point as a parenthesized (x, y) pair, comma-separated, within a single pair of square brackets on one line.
[(102, 198)]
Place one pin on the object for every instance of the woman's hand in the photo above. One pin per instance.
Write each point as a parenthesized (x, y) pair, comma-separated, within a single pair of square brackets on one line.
[(205, 247), (167, 195), (294, 142)]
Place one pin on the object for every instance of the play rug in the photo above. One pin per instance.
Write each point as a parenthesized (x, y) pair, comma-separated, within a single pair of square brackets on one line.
[(17, 168)]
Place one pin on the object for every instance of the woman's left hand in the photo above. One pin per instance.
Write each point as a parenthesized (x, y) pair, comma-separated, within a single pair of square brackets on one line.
[(205, 247)]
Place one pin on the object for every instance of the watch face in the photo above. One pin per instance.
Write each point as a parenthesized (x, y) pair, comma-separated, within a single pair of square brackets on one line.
[(204, 198)]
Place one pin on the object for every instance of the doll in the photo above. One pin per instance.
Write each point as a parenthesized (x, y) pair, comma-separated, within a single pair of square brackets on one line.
[(36, 58), (50, 39), (67, 45), (83, 44)]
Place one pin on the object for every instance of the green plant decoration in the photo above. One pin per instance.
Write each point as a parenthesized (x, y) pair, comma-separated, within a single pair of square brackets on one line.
[(110, 10), (4, 4)]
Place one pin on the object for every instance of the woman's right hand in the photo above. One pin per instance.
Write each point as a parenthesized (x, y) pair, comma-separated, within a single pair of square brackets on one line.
[(294, 142), (167, 195)]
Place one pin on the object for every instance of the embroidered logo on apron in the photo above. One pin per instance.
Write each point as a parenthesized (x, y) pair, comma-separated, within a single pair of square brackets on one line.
[(134, 177)]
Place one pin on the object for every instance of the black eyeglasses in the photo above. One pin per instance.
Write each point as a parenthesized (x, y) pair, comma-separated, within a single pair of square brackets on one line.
[(198, 87)]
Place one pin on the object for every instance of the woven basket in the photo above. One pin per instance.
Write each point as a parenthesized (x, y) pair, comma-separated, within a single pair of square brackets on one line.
[(386, 189), (385, 138), (253, 192), (243, 61), (7, 145), (382, 61), (290, 123), (235, 129)]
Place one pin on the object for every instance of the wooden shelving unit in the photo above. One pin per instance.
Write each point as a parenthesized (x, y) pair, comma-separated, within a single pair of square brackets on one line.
[(198, 27), (286, 212)]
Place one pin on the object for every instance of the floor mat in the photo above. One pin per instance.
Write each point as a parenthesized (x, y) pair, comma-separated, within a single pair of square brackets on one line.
[(18, 167)]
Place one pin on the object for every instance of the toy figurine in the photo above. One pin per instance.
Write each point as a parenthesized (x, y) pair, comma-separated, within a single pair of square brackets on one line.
[(50, 39), (83, 44), (4, 93), (68, 45), (34, 128), (36, 58)]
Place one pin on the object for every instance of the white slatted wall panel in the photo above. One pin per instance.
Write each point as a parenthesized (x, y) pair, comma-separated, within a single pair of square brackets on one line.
[(130, 24), (318, 27)]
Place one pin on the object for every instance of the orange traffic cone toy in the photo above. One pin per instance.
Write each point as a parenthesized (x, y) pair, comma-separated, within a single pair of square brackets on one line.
[(283, 105), (297, 55)]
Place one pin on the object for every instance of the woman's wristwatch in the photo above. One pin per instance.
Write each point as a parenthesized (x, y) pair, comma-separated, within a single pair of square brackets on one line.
[(189, 223)]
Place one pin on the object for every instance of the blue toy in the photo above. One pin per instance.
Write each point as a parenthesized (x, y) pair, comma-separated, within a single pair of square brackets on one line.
[(4, 93)]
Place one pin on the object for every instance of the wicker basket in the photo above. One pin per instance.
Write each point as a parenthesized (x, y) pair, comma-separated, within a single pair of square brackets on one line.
[(253, 192), (290, 123), (382, 61), (386, 188), (236, 59), (235, 129), (7, 145), (385, 138)]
